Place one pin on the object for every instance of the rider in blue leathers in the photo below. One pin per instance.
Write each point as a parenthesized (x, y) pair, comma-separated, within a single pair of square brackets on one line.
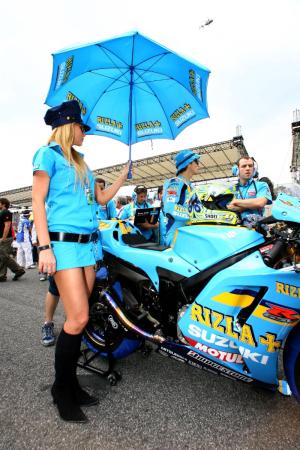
[(176, 192)]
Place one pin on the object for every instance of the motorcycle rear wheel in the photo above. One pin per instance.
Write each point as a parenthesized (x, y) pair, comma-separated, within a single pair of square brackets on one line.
[(105, 335)]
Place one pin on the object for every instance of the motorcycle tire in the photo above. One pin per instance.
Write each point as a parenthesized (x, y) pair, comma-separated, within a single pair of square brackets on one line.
[(105, 335), (291, 362)]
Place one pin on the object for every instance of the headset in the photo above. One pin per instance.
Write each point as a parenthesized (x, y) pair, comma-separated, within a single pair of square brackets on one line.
[(235, 168), (140, 189)]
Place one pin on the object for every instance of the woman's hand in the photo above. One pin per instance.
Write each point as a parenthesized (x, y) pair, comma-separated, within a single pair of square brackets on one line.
[(124, 172), (47, 262)]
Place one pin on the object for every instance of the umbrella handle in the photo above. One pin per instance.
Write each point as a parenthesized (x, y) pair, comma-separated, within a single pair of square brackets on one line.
[(129, 175)]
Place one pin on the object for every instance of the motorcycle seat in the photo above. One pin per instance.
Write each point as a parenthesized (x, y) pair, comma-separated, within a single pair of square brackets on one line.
[(139, 241)]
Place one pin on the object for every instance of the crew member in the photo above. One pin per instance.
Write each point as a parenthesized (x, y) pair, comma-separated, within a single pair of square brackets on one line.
[(176, 192), (108, 211), (251, 196), (139, 202)]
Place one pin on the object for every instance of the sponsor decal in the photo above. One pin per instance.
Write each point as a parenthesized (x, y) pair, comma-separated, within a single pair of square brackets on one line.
[(109, 125), (63, 72), (113, 322), (280, 313), (253, 356), (288, 289), (270, 341), (223, 370), (182, 114), (251, 193), (222, 342), (71, 96), (195, 83), (209, 337), (171, 199), (148, 128), (183, 354), (219, 354), (214, 319)]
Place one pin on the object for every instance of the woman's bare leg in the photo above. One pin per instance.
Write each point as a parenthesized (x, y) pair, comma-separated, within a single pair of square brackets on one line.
[(75, 286)]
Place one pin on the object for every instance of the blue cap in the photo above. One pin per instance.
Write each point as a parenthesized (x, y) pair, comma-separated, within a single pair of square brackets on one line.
[(67, 112), (184, 158)]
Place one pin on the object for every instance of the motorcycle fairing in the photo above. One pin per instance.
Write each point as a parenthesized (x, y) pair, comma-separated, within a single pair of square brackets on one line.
[(210, 323), (112, 243), (205, 245), (286, 208)]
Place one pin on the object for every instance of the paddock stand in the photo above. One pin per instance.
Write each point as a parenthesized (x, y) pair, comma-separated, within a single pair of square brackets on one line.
[(86, 359)]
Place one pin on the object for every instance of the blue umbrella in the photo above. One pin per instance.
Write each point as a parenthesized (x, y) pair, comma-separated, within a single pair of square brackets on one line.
[(130, 88)]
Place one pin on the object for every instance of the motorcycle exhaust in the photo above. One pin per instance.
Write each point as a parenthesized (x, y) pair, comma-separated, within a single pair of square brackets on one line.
[(128, 324)]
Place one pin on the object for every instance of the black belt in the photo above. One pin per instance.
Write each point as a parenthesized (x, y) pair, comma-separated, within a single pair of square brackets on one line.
[(73, 237)]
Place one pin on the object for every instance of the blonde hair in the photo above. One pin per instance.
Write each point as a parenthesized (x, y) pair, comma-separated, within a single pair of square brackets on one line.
[(64, 136)]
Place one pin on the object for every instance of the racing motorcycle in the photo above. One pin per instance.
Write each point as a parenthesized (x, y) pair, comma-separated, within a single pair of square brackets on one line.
[(223, 298)]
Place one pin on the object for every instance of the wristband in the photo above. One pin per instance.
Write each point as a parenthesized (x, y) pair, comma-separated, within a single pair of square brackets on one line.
[(44, 247)]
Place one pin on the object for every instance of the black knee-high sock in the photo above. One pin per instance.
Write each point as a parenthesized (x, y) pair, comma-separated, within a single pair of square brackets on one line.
[(66, 356)]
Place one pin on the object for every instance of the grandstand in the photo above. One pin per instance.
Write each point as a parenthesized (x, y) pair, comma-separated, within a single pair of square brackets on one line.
[(215, 163)]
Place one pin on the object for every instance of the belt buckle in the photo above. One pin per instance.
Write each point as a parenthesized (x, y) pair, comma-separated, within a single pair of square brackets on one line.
[(80, 236)]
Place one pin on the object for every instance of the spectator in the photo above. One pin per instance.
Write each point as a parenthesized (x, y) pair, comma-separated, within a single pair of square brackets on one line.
[(24, 252), (6, 239)]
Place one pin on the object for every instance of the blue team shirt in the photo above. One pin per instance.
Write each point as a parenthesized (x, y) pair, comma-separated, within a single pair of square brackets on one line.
[(253, 189), (70, 206), (108, 211), (129, 212), (176, 193)]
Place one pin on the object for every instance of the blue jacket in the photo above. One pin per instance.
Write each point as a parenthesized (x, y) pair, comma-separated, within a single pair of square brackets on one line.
[(176, 193)]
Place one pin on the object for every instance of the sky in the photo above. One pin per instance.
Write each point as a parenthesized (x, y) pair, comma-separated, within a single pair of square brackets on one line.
[(252, 48)]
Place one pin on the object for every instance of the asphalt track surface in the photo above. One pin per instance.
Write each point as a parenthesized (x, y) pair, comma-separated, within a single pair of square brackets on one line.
[(159, 403)]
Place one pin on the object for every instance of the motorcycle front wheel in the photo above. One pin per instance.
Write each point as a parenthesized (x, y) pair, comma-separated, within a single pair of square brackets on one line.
[(291, 362)]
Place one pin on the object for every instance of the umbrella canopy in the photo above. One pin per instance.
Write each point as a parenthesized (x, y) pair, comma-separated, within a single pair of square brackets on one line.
[(130, 88)]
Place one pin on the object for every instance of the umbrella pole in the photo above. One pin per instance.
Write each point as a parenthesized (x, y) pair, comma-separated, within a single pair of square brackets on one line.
[(129, 176)]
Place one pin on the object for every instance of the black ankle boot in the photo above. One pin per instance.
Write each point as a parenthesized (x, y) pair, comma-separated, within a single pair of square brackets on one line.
[(67, 407)]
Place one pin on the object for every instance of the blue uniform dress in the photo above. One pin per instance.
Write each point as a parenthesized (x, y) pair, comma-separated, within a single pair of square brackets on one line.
[(176, 193), (129, 212), (70, 207), (252, 189), (107, 212)]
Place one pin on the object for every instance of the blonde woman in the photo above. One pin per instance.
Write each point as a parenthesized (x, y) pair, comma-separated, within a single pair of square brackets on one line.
[(65, 198)]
